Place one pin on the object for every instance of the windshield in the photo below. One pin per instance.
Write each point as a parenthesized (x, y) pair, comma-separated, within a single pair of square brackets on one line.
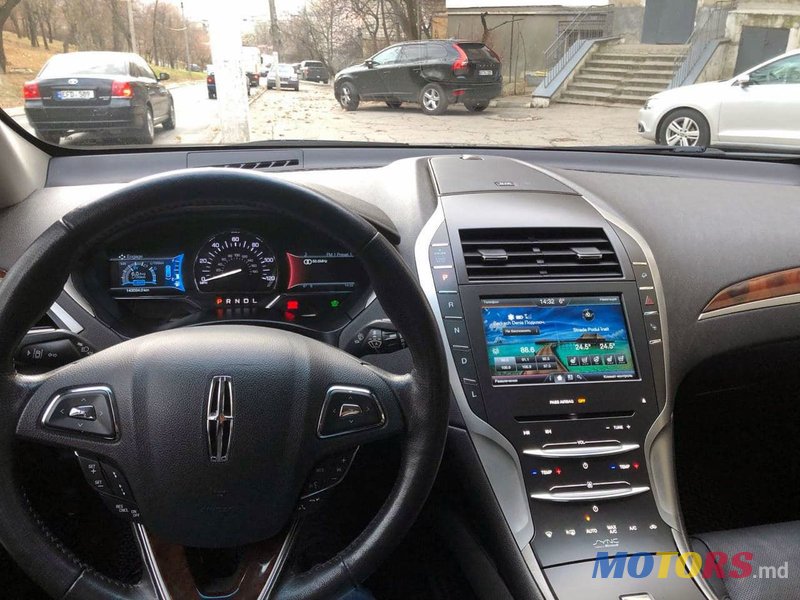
[(544, 73), (85, 63)]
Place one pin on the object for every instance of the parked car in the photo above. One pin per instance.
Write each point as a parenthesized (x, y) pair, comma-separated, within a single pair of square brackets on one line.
[(313, 70), (282, 75), (211, 84), (433, 73), (112, 92), (758, 108)]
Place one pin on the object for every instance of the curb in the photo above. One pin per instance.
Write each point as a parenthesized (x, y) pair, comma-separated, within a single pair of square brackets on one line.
[(261, 92), (16, 111), (511, 104)]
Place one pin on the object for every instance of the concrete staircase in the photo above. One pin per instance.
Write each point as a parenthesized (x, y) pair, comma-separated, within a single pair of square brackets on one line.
[(623, 75)]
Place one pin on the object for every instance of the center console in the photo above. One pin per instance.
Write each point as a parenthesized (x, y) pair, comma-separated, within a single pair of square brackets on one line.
[(552, 319)]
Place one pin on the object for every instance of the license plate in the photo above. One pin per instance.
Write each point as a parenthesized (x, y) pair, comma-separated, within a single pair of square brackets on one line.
[(485, 72), (75, 94)]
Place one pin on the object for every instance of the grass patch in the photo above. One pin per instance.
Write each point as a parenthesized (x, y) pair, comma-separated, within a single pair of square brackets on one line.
[(23, 62)]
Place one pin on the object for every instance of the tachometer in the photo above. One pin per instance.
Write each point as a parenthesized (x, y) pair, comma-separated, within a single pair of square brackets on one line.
[(235, 261)]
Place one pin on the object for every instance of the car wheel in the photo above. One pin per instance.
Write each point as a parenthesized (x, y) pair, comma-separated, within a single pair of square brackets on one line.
[(393, 104), (148, 132), (51, 137), (348, 96), (684, 127), (473, 106), (169, 124), (433, 99)]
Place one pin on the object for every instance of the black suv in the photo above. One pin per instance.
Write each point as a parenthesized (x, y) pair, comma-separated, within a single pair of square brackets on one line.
[(434, 73)]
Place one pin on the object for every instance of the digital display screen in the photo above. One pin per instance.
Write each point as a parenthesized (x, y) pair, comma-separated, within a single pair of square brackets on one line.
[(557, 339), (133, 274), (328, 271)]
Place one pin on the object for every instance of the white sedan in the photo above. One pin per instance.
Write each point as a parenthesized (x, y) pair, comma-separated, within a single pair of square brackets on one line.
[(759, 108)]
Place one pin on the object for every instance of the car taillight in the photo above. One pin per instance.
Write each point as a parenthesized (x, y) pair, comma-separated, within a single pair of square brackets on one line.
[(461, 64), (121, 89), (30, 91)]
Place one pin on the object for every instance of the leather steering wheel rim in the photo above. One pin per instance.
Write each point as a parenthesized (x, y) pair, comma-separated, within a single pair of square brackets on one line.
[(38, 277)]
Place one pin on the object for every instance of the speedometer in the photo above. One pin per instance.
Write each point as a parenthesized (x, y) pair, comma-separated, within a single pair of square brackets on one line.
[(235, 261)]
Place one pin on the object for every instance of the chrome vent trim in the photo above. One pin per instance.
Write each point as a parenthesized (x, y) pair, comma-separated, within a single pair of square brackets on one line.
[(519, 254)]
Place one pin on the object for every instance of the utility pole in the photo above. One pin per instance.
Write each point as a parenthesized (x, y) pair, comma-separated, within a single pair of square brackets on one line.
[(134, 45), (186, 38), (274, 31)]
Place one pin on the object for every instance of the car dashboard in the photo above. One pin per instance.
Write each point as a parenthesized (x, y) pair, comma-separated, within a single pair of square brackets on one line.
[(573, 292)]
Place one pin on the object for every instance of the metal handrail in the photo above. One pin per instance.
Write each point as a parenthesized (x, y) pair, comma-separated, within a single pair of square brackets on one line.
[(712, 29), (558, 54)]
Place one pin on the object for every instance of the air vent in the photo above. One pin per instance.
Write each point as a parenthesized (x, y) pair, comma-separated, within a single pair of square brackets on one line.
[(544, 253), (264, 164)]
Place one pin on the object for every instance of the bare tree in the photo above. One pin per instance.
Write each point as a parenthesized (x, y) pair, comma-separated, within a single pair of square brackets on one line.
[(6, 6)]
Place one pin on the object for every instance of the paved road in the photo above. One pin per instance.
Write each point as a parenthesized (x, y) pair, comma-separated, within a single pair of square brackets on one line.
[(196, 120), (313, 114)]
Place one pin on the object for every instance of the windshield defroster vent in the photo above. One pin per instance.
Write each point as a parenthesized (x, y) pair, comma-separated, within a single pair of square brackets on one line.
[(264, 164), (538, 253)]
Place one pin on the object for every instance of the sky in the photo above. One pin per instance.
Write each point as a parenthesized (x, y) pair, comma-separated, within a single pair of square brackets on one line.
[(198, 10)]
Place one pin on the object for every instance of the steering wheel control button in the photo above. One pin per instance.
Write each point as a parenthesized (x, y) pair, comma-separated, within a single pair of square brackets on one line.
[(93, 473), (328, 473), (127, 510), (116, 483), (349, 409), (87, 410)]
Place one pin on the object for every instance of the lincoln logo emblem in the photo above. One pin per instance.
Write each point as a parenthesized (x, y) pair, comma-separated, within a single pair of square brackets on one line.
[(219, 417)]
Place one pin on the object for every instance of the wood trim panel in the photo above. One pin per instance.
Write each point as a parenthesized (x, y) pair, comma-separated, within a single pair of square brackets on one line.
[(763, 287), (256, 565)]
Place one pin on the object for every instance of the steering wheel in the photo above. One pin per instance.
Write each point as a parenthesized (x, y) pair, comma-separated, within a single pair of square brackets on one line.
[(216, 428)]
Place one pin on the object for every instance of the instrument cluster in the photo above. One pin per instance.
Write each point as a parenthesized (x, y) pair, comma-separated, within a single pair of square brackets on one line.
[(213, 268)]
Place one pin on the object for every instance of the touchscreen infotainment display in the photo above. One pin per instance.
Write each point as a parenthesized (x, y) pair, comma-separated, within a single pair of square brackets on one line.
[(557, 339)]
